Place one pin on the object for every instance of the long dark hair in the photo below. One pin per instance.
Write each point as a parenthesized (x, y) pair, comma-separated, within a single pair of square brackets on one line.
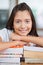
[(22, 7)]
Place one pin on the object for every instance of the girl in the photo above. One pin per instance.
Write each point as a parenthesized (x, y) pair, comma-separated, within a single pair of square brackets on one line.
[(20, 28)]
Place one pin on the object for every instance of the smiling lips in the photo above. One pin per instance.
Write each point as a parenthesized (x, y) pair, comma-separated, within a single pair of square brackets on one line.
[(23, 31)]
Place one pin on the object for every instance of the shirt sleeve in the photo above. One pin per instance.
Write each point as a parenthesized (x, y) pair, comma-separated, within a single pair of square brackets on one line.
[(4, 35)]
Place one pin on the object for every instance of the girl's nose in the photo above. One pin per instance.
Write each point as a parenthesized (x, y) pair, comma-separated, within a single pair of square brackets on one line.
[(22, 25)]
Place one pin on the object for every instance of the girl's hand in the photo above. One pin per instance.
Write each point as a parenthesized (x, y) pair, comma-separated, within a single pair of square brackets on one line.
[(20, 43), (14, 37)]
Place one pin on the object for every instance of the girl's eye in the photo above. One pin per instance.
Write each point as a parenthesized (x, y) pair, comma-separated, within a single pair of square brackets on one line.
[(27, 21), (17, 21)]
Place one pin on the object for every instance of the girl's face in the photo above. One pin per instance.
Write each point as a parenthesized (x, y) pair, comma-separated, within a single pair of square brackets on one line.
[(22, 23)]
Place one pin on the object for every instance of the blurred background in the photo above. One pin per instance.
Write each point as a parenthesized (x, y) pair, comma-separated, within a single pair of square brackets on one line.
[(6, 7)]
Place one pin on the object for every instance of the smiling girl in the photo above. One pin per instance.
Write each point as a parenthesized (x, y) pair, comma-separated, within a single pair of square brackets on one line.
[(20, 28)]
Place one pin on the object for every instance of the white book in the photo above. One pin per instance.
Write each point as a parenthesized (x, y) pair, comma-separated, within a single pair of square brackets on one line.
[(29, 48), (10, 56), (10, 60), (9, 63), (12, 51)]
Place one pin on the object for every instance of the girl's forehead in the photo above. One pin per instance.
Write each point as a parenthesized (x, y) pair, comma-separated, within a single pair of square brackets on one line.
[(24, 13)]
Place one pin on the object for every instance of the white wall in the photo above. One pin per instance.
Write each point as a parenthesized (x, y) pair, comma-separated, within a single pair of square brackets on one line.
[(4, 4), (12, 3), (40, 32)]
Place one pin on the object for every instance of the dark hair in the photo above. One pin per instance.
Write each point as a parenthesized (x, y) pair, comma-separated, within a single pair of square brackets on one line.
[(22, 7)]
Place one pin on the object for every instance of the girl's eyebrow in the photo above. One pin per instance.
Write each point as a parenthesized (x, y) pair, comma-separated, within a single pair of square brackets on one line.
[(27, 19), (17, 19)]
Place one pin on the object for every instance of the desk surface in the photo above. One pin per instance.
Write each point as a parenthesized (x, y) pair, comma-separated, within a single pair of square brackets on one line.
[(23, 63)]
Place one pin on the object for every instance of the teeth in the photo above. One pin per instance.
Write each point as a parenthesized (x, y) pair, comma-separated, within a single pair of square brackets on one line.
[(23, 31)]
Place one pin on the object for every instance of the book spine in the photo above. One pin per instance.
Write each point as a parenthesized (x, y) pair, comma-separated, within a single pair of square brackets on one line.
[(31, 60)]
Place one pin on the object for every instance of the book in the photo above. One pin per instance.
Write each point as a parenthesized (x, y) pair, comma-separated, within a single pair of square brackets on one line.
[(15, 61), (33, 48), (10, 56), (33, 54), (13, 50), (33, 60)]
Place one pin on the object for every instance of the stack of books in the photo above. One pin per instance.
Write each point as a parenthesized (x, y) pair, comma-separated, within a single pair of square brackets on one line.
[(33, 54), (12, 55)]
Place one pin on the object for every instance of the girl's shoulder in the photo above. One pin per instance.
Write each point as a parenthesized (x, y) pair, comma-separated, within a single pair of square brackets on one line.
[(4, 34), (4, 30)]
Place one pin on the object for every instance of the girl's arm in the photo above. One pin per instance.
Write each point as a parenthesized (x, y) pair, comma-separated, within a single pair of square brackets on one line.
[(5, 45), (33, 39)]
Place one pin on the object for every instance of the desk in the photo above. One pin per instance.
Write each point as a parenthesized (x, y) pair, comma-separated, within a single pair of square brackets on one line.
[(23, 63)]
